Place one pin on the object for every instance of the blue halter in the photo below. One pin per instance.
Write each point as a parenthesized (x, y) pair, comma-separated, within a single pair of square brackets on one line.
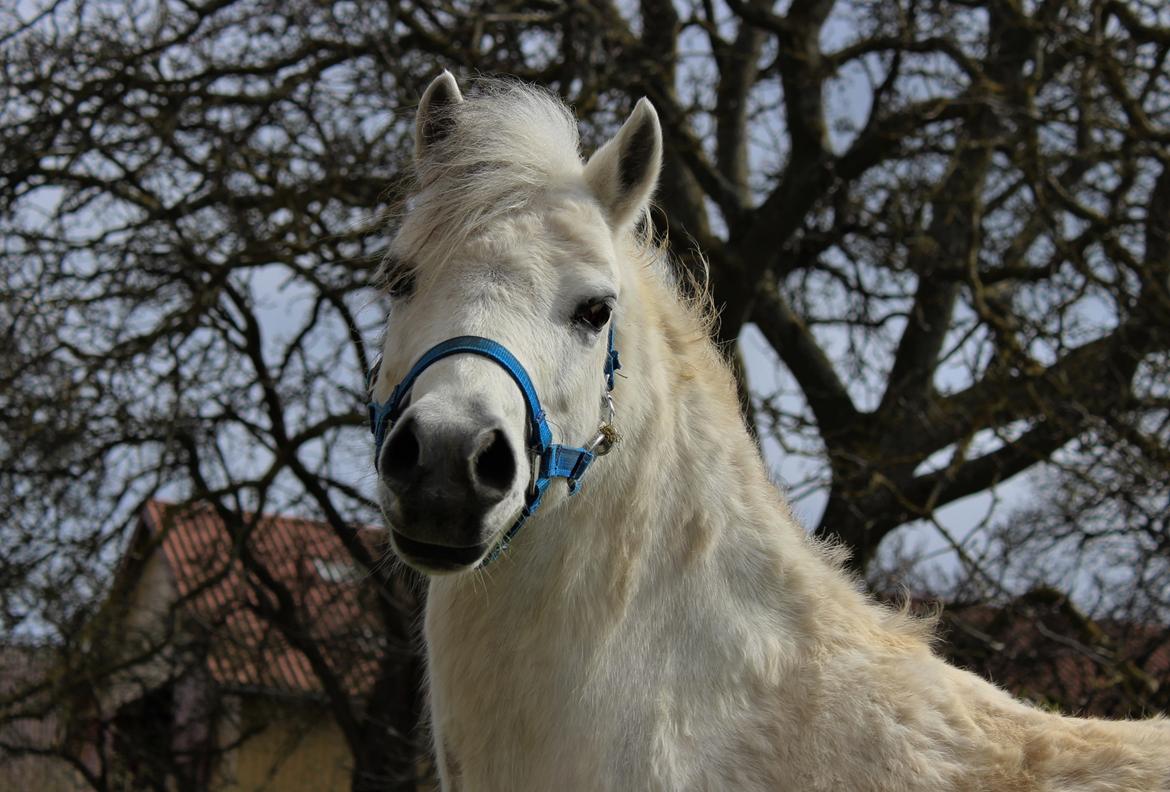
[(550, 460)]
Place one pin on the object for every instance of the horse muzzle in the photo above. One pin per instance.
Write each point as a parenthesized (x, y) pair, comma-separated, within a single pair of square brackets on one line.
[(449, 477), (456, 482)]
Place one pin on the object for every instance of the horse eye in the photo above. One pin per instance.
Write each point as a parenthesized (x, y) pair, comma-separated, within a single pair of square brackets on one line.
[(593, 313)]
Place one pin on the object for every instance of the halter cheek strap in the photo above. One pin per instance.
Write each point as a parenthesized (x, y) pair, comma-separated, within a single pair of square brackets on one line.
[(550, 460)]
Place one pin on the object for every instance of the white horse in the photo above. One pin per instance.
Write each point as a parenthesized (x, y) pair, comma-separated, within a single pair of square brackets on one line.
[(671, 626)]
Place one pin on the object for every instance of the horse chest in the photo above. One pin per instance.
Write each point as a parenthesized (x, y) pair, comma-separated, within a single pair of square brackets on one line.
[(516, 705), (525, 706)]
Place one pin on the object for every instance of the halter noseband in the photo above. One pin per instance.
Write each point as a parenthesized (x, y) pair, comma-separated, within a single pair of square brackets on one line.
[(549, 460)]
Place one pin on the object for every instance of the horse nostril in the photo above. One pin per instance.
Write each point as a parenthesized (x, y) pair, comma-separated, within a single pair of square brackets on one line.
[(494, 464), (400, 457)]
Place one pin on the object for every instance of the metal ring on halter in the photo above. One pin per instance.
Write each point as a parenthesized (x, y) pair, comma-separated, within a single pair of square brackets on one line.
[(607, 436), (605, 440), (610, 410)]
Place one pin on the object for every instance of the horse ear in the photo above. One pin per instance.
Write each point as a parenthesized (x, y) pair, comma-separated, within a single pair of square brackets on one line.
[(435, 118), (623, 172)]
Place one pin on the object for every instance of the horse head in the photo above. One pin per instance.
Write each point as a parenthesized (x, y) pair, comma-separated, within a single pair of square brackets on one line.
[(506, 298)]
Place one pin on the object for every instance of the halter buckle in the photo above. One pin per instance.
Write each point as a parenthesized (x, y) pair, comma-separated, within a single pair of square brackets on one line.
[(534, 474)]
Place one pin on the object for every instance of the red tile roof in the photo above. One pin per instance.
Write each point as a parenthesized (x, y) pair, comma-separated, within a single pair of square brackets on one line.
[(334, 599)]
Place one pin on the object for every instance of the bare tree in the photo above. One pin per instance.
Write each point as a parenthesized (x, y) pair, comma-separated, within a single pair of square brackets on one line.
[(171, 173), (949, 219)]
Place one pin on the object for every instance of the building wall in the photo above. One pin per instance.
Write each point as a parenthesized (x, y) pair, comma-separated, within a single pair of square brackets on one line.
[(20, 667), (39, 773), (287, 746), (143, 623)]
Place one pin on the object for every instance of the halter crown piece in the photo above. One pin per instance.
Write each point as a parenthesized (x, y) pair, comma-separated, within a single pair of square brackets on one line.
[(549, 460)]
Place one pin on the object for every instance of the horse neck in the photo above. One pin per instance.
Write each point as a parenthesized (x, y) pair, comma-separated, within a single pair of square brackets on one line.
[(688, 469), (684, 499)]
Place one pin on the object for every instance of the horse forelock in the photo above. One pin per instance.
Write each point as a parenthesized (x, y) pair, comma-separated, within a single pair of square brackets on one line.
[(509, 124), (509, 146)]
